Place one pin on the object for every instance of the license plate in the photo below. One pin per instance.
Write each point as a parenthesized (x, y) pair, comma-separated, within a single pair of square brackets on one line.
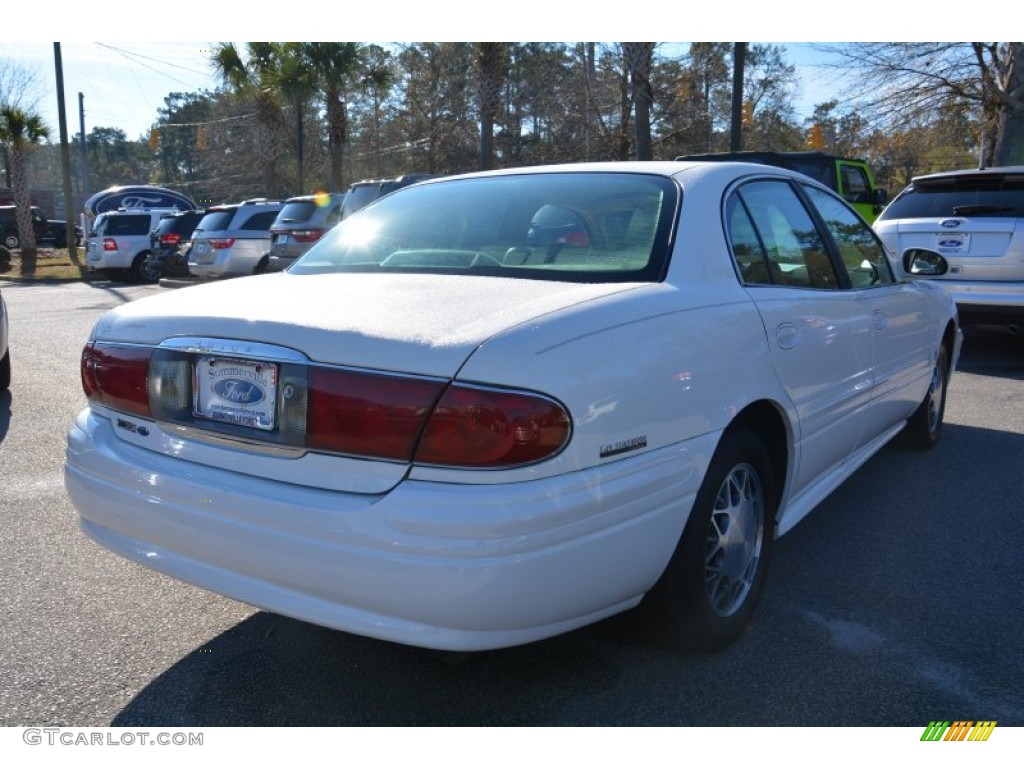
[(282, 239), (953, 243), (234, 391)]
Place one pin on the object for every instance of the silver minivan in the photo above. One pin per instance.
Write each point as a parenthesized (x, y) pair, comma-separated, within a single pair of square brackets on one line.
[(233, 240)]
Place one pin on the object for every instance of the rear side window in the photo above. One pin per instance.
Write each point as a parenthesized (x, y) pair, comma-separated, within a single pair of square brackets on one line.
[(259, 222), (775, 225), (977, 196), (128, 225)]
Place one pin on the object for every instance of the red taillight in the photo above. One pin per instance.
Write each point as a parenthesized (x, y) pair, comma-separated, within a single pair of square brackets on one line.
[(117, 376), (479, 427), (367, 414), (109, 244), (220, 243), (171, 239), (306, 235)]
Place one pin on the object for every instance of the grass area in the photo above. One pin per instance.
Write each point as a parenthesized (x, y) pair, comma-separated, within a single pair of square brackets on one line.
[(50, 264)]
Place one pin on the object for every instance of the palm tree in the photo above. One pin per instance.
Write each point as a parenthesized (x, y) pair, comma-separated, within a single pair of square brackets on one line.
[(295, 80), (335, 66), (255, 77), (21, 131)]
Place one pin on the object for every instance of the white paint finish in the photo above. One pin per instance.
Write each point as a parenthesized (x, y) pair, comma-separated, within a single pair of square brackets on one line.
[(469, 559), (428, 564), (425, 324)]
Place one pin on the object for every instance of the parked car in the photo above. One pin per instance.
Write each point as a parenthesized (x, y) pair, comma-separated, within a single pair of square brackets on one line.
[(5, 352), (492, 408), (362, 193), (851, 177), (301, 222), (233, 240), (169, 243), (119, 244), (48, 231), (975, 220)]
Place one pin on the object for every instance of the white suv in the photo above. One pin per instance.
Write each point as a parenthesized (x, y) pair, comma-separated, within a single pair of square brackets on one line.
[(120, 241), (233, 240), (974, 220)]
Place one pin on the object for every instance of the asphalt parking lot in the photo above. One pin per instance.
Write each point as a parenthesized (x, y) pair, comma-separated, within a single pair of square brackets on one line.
[(900, 600)]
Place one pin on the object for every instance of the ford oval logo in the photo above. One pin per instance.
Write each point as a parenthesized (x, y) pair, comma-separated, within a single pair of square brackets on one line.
[(951, 243), (950, 223), (238, 391)]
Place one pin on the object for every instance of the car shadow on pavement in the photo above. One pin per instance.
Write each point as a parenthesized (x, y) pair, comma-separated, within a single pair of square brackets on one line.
[(270, 670), (5, 414)]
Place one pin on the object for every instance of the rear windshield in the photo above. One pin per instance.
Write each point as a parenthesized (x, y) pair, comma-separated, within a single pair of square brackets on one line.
[(583, 227), (216, 221), (1002, 196), (296, 213), (182, 225), (359, 196)]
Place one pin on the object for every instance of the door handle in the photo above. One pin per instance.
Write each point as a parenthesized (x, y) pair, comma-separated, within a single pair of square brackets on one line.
[(880, 320)]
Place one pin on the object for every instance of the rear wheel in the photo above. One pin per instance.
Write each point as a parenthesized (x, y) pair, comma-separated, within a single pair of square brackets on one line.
[(143, 270), (924, 428), (261, 267), (12, 241), (708, 593)]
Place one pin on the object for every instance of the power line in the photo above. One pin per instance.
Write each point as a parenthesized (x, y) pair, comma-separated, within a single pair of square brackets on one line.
[(151, 58)]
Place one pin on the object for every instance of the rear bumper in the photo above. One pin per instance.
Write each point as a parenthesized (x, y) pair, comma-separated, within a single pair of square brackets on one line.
[(439, 565), (976, 301)]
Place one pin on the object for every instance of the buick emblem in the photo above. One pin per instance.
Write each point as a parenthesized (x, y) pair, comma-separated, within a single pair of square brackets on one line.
[(951, 223)]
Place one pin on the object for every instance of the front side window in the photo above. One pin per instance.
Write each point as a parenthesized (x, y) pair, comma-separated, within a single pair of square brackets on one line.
[(858, 247), (775, 225), (583, 227), (855, 184)]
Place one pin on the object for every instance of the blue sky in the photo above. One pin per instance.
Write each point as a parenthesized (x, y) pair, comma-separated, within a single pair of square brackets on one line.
[(124, 83)]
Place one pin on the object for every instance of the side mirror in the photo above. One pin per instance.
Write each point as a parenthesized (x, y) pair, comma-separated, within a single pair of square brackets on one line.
[(920, 262)]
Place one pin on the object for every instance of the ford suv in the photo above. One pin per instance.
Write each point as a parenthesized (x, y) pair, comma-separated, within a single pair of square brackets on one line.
[(975, 220), (233, 240), (119, 243)]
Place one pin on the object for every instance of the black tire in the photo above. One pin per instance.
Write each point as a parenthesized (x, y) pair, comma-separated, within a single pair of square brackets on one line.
[(709, 591), (262, 266), (924, 428), (142, 270), (5, 371), (12, 241)]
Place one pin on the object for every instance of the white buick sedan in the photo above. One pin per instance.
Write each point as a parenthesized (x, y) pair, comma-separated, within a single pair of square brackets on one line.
[(492, 408)]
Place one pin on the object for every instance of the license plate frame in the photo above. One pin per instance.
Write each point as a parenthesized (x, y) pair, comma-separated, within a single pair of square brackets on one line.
[(235, 391)]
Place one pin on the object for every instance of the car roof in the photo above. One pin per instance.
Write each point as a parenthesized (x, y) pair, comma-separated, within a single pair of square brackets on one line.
[(980, 173)]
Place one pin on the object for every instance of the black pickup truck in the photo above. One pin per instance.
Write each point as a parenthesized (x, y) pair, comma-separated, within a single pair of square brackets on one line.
[(48, 231)]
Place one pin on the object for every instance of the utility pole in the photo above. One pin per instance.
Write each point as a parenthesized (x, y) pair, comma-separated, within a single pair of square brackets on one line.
[(736, 129), (85, 157), (65, 157)]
